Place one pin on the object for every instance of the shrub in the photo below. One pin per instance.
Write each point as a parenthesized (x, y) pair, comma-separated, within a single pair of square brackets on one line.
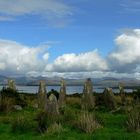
[(20, 124), (133, 121), (7, 93), (44, 120), (55, 92), (6, 105), (136, 94), (99, 100), (109, 99), (88, 123)]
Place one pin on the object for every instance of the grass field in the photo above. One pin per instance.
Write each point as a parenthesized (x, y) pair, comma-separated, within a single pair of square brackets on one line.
[(113, 128)]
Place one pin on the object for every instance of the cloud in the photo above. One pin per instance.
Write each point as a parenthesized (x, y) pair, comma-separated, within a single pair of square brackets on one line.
[(22, 7), (126, 55), (6, 18), (89, 61), (46, 56), (17, 58), (131, 6), (122, 61), (48, 9)]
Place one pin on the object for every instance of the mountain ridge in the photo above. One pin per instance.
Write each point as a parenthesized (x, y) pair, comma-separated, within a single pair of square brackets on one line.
[(104, 82)]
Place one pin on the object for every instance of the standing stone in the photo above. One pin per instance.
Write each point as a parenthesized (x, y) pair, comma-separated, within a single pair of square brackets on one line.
[(52, 106), (88, 87), (11, 84), (0, 98), (122, 94), (109, 99), (62, 95), (42, 95), (88, 100)]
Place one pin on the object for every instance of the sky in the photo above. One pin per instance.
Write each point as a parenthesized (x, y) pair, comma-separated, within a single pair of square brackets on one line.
[(70, 39)]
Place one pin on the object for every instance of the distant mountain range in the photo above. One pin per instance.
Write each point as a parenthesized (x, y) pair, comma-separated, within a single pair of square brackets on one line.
[(103, 82)]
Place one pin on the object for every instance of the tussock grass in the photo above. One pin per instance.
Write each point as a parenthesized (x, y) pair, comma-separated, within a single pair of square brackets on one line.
[(133, 121), (88, 123)]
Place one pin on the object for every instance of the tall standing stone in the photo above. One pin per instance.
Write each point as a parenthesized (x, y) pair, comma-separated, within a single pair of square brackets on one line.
[(11, 84), (109, 99), (42, 95), (0, 98), (122, 94), (62, 95), (88, 100)]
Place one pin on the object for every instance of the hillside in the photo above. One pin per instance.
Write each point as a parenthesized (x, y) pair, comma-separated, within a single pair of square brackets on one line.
[(103, 82)]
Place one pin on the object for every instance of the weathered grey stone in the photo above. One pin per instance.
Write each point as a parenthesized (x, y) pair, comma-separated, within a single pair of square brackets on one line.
[(17, 107), (42, 95), (11, 84), (88, 100), (62, 95), (0, 97), (42, 87), (52, 105), (122, 94), (109, 99), (88, 87)]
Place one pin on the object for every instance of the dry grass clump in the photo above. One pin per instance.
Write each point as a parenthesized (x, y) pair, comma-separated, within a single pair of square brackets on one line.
[(133, 121), (7, 105), (118, 100), (55, 129), (45, 120), (88, 123), (129, 100)]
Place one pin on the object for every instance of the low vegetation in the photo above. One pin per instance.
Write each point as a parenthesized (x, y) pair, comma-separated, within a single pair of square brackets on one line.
[(72, 123), (88, 123), (133, 121)]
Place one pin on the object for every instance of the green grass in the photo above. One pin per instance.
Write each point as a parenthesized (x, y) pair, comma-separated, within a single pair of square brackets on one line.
[(113, 129)]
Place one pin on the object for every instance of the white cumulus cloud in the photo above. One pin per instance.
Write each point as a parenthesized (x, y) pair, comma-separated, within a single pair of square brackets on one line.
[(122, 61), (126, 55), (18, 58), (89, 61)]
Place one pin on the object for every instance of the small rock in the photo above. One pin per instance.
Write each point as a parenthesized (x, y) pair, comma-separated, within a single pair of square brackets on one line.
[(17, 107)]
